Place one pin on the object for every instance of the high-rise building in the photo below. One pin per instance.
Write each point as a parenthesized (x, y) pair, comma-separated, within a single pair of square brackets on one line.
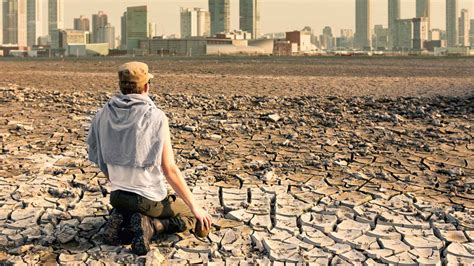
[(464, 28), (34, 21), (393, 16), (55, 20), (452, 27), (106, 34), (123, 29), (152, 30), (21, 22), (327, 39), (10, 21), (420, 33), (362, 34), (380, 38), (99, 20), (405, 34), (471, 32), (137, 26), (250, 17), (423, 10), (82, 23), (195, 22), (220, 16)]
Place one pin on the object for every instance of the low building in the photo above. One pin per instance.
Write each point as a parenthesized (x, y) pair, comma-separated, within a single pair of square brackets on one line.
[(67, 37), (91, 49), (302, 39), (282, 48)]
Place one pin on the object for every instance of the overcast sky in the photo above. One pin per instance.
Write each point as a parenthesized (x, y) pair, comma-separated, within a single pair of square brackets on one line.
[(276, 15)]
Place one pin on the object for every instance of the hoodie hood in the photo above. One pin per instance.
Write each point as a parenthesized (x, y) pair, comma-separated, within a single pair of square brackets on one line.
[(128, 131)]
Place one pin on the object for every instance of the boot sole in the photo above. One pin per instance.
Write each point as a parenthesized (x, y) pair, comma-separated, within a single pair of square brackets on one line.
[(140, 245)]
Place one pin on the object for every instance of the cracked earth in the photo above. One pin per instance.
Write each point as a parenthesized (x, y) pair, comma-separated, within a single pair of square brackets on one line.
[(289, 180)]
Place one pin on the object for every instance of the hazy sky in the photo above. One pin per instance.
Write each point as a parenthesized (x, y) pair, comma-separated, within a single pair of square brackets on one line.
[(276, 15)]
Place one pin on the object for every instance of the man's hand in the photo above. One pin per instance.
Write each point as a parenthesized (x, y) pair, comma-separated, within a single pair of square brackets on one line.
[(203, 217)]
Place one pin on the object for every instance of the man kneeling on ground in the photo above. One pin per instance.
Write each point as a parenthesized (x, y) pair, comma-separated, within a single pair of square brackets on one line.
[(129, 139)]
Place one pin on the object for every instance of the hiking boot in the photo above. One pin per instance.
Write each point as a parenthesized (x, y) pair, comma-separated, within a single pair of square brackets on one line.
[(200, 231), (126, 236), (112, 228), (143, 231)]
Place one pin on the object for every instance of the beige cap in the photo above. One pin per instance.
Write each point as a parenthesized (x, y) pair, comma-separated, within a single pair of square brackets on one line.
[(136, 72)]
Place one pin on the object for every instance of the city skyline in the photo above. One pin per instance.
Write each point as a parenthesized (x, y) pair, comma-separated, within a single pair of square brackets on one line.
[(163, 13)]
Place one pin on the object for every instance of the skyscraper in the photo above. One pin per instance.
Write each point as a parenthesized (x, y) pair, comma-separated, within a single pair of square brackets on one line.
[(250, 17), (123, 29), (137, 25), (464, 28), (393, 16), (55, 20), (106, 34), (452, 23), (82, 23), (10, 21), (98, 21), (362, 34), (220, 16), (34, 19), (471, 33), (21, 22), (420, 33), (195, 22), (423, 10)]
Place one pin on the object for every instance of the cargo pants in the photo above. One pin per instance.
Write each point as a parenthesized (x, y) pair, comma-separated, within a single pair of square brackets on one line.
[(179, 216)]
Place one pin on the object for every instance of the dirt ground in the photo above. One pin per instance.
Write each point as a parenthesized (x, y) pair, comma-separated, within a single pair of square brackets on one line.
[(261, 76)]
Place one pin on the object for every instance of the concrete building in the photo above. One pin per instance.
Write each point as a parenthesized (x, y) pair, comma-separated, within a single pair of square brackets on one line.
[(137, 26), (250, 17), (436, 35), (106, 34), (195, 22), (471, 33), (234, 35), (423, 10), (327, 39), (152, 30), (70, 36), (362, 34), (393, 16), (82, 23), (381, 38), (55, 20), (346, 40), (220, 16), (123, 30), (99, 20), (301, 39), (14, 22), (464, 24), (405, 34), (420, 33), (34, 20), (21, 22), (452, 27)]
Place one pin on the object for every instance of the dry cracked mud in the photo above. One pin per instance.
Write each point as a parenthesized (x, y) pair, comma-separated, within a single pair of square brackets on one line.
[(288, 179)]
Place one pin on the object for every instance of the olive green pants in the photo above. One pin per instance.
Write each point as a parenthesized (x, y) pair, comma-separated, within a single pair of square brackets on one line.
[(173, 209)]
